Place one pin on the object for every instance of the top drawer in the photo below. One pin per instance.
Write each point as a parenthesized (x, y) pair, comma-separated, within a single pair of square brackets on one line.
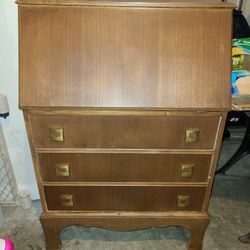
[(123, 131)]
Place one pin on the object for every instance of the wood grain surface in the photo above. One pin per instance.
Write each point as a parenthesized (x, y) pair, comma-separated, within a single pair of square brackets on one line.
[(150, 3), (125, 57), (54, 223), (125, 131), (124, 80), (126, 198), (124, 167)]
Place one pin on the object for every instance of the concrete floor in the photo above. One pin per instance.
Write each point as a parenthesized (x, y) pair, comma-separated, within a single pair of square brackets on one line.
[(229, 210)]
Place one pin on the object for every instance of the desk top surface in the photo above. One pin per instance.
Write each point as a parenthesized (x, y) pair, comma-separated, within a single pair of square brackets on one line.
[(138, 3)]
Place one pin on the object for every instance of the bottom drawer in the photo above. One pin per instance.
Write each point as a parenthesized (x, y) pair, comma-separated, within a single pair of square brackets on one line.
[(124, 198)]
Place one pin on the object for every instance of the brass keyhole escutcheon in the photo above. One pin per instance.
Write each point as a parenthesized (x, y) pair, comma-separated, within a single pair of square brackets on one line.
[(67, 200), (62, 169), (187, 170), (56, 134), (183, 201), (192, 135)]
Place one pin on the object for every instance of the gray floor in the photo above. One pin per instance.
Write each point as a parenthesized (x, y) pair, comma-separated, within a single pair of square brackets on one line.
[(229, 210)]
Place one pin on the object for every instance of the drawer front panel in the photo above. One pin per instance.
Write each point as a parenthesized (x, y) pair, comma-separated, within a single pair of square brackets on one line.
[(107, 167), (125, 198), (91, 131)]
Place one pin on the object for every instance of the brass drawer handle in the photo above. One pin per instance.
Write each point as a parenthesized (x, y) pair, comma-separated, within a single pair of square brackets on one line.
[(67, 200), (56, 134), (192, 135), (62, 169), (187, 170), (183, 201)]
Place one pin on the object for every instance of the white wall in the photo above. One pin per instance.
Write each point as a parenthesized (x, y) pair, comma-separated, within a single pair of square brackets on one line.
[(13, 126), (245, 8)]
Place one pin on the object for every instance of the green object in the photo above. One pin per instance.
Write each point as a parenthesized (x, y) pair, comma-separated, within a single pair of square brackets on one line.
[(243, 43)]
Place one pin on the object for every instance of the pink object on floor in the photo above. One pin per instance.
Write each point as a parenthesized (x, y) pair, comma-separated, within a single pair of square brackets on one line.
[(6, 244)]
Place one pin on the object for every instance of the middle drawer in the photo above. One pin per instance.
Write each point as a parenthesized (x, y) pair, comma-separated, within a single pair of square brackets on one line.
[(124, 167)]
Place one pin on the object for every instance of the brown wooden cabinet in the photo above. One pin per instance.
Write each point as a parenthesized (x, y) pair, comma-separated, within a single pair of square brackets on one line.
[(125, 105)]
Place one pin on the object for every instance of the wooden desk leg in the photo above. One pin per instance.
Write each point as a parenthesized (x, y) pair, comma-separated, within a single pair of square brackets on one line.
[(198, 231), (52, 234)]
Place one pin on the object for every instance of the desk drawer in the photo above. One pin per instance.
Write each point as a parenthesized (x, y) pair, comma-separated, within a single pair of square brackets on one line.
[(118, 167), (105, 131), (124, 198)]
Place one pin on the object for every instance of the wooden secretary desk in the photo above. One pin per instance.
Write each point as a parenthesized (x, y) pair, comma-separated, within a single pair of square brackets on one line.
[(125, 105)]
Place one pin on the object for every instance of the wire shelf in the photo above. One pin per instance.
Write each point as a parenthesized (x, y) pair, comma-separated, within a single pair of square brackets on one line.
[(8, 190)]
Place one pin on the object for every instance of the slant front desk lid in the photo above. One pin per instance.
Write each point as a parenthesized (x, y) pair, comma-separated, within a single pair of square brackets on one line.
[(158, 3), (125, 57)]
